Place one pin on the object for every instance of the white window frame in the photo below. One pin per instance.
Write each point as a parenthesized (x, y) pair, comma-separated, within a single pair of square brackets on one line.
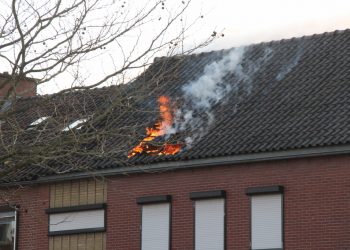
[(11, 213), (58, 225), (268, 192), (155, 201), (216, 195)]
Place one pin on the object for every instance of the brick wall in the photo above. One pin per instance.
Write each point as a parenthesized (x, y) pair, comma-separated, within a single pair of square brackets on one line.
[(24, 88), (33, 222), (316, 200)]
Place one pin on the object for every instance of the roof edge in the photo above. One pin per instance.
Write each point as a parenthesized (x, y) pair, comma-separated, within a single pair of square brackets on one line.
[(198, 163), (264, 42)]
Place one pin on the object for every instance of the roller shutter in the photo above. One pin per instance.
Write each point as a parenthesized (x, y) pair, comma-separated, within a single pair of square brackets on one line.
[(155, 226), (210, 224), (266, 221)]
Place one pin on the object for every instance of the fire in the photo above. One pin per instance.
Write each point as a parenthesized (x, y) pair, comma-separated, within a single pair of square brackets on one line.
[(158, 129)]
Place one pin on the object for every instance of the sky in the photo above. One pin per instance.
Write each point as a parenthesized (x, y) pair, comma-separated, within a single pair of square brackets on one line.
[(246, 21), (253, 21)]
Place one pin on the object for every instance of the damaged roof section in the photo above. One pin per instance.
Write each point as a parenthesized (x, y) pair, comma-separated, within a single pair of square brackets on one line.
[(267, 97)]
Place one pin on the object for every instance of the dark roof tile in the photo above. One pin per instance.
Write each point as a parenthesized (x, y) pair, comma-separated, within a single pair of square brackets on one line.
[(298, 98)]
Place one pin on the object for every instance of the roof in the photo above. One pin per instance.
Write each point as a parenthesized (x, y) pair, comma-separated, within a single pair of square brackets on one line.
[(280, 95)]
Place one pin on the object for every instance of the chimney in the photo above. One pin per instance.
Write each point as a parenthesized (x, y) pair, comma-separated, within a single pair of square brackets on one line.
[(25, 87)]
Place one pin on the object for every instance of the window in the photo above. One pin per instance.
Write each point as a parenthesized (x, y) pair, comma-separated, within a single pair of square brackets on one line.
[(8, 230), (266, 217), (78, 219), (209, 220), (155, 224), (75, 124), (38, 122)]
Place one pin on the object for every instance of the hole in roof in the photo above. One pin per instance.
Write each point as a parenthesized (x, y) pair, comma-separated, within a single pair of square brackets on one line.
[(38, 122), (75, 124)]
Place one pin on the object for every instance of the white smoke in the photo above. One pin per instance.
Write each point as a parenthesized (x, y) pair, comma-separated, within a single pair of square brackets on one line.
[(210, 88), (195, 117), (288, 67)]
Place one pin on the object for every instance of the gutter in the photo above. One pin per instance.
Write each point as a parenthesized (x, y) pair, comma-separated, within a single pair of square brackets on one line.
[(197, 163)]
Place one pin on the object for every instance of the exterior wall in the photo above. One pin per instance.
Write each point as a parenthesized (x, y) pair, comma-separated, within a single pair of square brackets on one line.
[(316, 205), (72, 194), (316, 202), (25, 88), (33, 223)]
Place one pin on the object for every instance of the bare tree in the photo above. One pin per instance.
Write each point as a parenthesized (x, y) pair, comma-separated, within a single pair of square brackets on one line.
[(62, 41)]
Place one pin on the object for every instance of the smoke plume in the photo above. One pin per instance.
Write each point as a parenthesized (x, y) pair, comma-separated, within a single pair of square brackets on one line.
[(289, 66), (196, 116)]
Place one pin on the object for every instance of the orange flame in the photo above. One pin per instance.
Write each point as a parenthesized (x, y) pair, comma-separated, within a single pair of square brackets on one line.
[(158, 129)]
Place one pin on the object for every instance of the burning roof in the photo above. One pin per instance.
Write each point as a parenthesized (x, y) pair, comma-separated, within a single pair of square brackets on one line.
[(272, 96), (148, 146)]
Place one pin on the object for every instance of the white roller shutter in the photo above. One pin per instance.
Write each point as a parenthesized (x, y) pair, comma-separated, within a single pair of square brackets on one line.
[(210, 224), (77, 220), (155, 226), (266, 221)]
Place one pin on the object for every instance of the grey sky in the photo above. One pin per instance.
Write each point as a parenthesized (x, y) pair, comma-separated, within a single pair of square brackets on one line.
[(244, 22), (252, 21)]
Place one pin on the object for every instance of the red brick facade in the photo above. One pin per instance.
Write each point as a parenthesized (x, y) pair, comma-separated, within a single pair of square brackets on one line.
[(25, 88), (33, 222), (316, 204)]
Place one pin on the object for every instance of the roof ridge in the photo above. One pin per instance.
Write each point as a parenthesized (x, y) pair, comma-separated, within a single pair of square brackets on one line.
[(271, 42), (304, 37), (181, 56)]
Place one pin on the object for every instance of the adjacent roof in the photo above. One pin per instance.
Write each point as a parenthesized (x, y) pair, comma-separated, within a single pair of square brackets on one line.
[(294, 94)]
